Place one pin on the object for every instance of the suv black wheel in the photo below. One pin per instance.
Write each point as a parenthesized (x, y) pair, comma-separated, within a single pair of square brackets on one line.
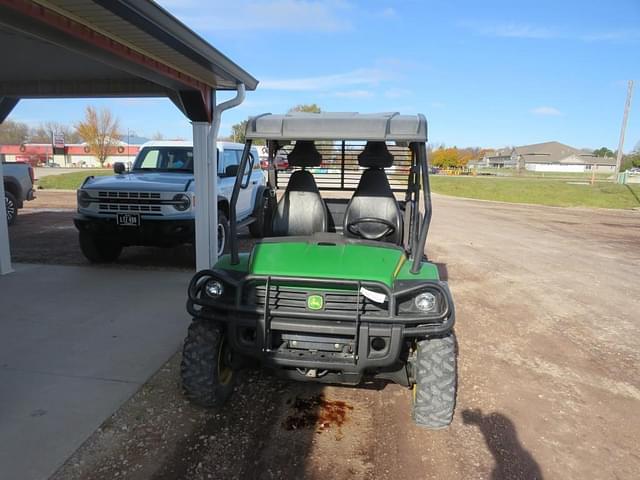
[(11, 206), (434, 393), (206, 368), (223, 233), (99, 250)]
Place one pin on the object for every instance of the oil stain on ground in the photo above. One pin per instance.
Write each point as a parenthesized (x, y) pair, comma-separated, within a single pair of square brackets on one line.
[(317, 413)]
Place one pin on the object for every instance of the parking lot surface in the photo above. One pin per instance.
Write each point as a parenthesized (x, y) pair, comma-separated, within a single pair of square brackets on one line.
[(549, 344), (75, 343)]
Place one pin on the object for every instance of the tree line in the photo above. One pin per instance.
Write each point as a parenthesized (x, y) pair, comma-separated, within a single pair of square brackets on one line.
[(99, 129)]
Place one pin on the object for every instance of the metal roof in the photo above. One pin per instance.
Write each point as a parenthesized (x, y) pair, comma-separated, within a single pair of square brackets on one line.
[(338, 126), (99, 48), (146, 27)]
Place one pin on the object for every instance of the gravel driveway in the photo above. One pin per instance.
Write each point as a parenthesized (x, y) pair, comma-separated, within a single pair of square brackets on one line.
[(549, 341)]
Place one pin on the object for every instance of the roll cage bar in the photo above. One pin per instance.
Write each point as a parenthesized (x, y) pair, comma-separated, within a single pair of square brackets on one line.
[(418, 176)]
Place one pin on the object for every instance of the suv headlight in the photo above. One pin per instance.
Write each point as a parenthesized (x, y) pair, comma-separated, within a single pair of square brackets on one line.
[(428, 302), (84, 199), (182, 202)]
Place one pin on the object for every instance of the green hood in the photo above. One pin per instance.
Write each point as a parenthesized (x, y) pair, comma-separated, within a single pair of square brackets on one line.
[(349, 261)]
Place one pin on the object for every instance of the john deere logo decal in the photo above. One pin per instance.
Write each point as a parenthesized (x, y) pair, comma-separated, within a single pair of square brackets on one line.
[(315, 302)]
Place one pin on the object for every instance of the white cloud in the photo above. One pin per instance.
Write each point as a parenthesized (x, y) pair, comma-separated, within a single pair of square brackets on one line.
[(354, 94), (510, 30), (388, 12), (397, 93), (281, 15), (546, 111), (612, 36), (359, 77), (524, 30)]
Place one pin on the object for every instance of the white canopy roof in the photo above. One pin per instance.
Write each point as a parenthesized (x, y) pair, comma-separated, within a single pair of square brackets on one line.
[(338, 126)]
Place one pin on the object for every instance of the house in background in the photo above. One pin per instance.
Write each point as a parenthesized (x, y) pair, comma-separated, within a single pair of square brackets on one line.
[(547, 157)]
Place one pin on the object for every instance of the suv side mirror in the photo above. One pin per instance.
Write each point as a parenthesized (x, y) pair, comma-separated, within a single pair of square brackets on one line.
[(119, 168), (231, 170)]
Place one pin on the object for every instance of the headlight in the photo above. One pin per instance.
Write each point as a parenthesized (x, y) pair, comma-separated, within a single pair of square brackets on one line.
[(214, 288), (429, 302), (425, 302), (84, 199), (181, 202)]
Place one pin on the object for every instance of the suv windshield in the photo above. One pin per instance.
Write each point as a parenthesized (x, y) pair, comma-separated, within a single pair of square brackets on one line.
[(165, 159)]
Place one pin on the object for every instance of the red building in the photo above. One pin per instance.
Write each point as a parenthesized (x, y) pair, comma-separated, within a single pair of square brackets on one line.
[(73, 155)]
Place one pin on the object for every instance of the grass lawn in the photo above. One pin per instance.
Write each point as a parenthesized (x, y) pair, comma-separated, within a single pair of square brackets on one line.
[(511, 172), (541, 191), (69, 181)]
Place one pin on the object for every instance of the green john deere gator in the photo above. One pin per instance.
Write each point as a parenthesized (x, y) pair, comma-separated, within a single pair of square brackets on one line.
[(339, 290)]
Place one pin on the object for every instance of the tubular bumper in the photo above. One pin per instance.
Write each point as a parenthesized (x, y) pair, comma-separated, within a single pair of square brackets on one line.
[(282, 333)]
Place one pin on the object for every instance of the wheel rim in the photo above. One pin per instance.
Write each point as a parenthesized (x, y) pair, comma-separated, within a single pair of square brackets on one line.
[(224, 364), (222, 238), (10, 207)]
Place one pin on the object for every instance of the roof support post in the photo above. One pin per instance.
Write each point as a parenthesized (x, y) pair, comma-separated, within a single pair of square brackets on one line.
[(5, 251), (205, 170), (6, 105), (206, 196)]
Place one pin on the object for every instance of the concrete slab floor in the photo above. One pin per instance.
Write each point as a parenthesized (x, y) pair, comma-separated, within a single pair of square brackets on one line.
[(75, 343)]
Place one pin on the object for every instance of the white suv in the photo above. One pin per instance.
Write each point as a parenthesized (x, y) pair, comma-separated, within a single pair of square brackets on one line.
[(153, 203)]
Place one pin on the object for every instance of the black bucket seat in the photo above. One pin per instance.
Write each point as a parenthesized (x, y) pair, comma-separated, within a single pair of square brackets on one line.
[(373, 212), (301, 210)]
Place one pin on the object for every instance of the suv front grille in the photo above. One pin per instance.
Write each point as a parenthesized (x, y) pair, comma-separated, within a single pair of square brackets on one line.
[(295, 299), (138, 202), (132, 196), (119, 207)]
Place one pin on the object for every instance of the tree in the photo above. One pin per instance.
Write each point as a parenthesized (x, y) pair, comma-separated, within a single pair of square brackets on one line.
[(157, 136), (603, 152), (449, 158), (44, 132), (238, 131), (13, 133), (630, 161), (100, 130), (305, 107)]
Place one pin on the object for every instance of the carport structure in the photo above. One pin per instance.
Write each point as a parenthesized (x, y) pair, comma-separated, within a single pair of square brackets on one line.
[(120, 48)]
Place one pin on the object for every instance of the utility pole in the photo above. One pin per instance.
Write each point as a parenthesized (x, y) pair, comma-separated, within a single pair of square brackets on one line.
[(627, 107)]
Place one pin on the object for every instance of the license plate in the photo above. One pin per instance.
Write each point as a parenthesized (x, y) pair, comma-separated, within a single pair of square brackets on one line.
[(128, 219)]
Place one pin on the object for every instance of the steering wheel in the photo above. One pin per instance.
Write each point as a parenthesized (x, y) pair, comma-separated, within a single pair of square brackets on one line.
[(354, 229)]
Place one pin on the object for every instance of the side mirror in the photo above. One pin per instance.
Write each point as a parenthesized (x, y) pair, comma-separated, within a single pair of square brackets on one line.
[(119, 168), (231, 170)]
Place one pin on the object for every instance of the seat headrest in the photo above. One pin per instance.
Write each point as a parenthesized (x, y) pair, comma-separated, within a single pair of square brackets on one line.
[(375, 155), (304, 154)]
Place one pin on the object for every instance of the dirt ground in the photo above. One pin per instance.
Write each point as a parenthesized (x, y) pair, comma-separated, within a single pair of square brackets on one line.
[(44, 233), (549, 346)]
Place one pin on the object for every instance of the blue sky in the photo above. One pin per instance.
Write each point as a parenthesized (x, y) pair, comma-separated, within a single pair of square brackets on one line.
[(489, 73)]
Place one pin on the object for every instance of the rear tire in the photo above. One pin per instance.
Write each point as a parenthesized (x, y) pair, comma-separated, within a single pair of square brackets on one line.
[(206, 368), (434, 393), (11, 206), (223, 233), (99, 250), (262, 212)]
